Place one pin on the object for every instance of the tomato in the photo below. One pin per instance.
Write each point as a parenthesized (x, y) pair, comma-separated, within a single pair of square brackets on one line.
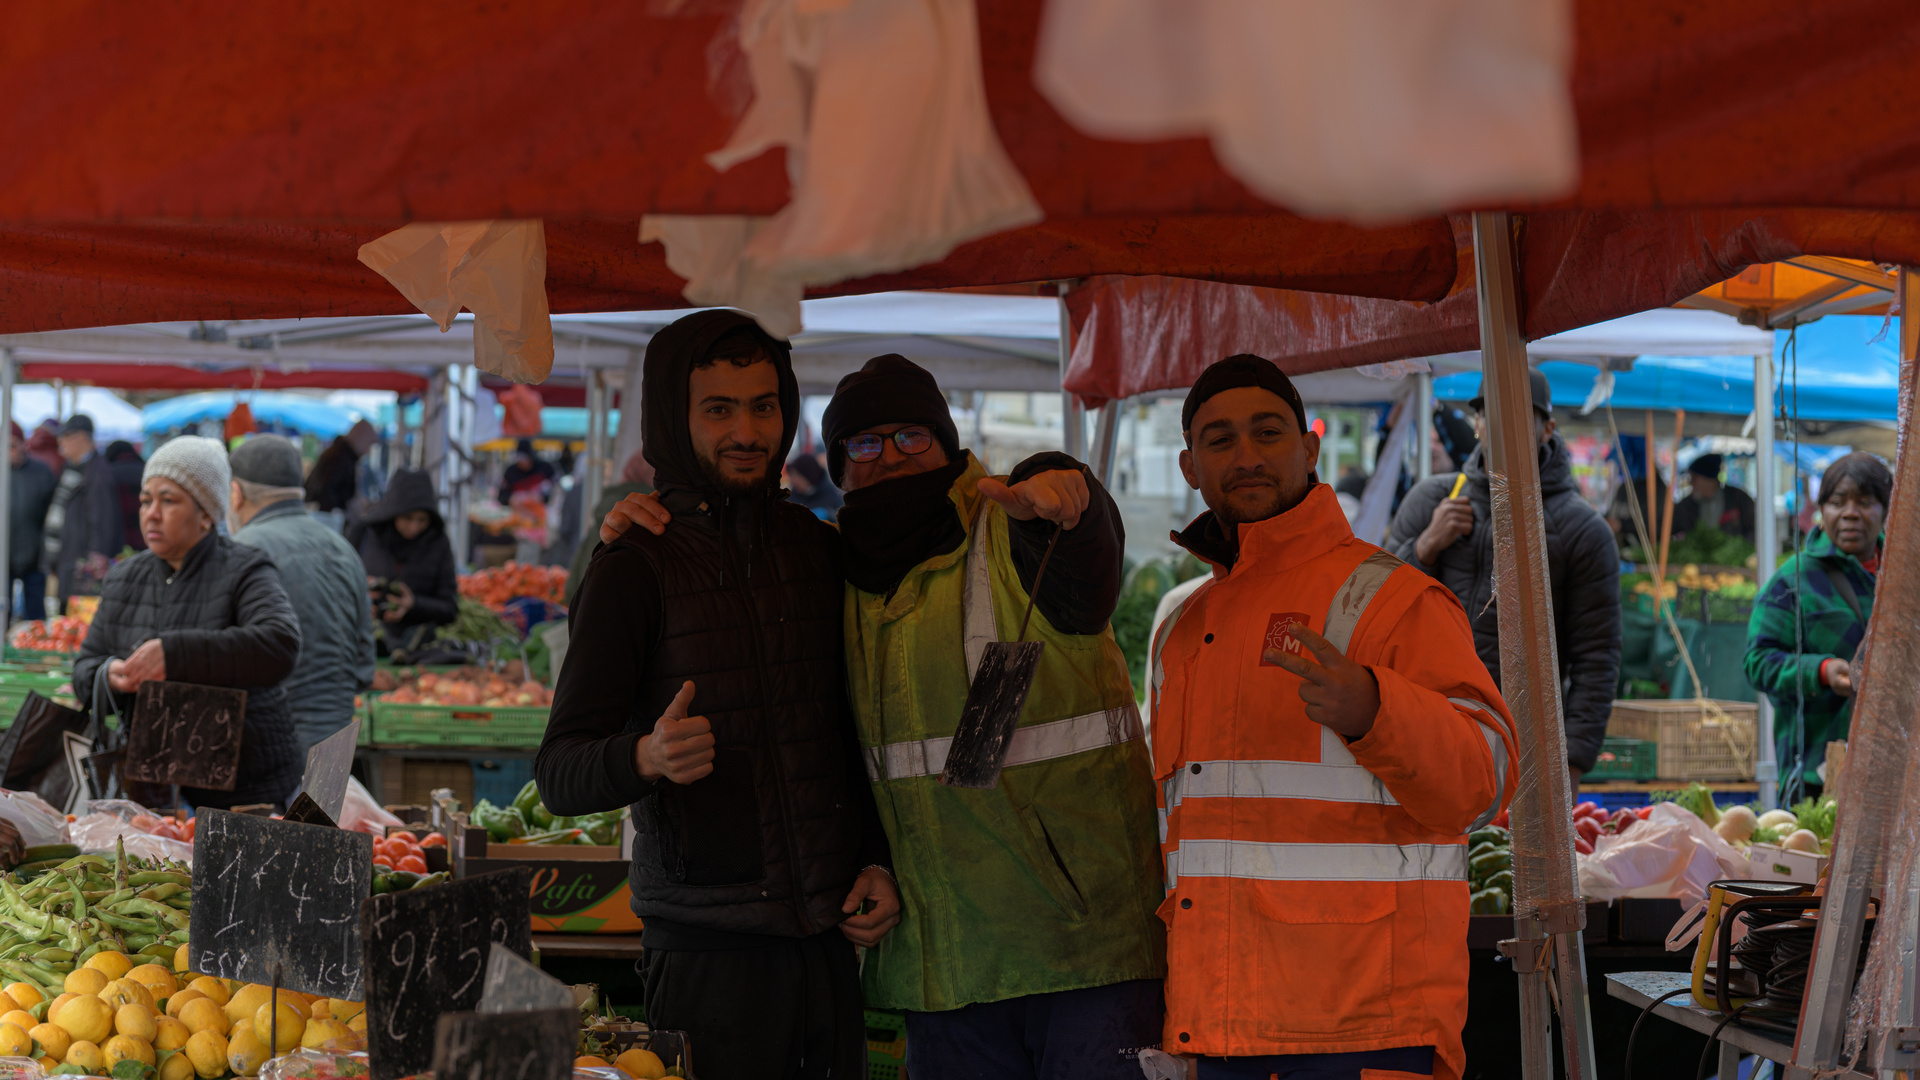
[(434, 839), (383, 862), (1644, 812), (405, 839), (413, 863), (192, 824)]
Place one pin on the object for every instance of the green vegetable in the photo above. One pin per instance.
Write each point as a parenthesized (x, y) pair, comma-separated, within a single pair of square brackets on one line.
[(1695, 797), (1490, 902), (1816, 816), (502, 823), (541, 817), (1771, 834), (1491, 862), (1492, 834), (528, 798)]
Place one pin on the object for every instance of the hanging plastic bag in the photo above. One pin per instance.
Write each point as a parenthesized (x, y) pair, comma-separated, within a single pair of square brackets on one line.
[(892, 154), (361, 814), (495, 269), (1671, 854), (31, 816)]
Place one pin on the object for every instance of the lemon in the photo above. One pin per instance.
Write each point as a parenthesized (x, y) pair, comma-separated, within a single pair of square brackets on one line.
[(137, 1020), (53, 1039), (180, 998), (8, 1003), (322, 1009), (156, 979), (245, 1023), (87, 1019), (25, 995), (247, 1000), (128, 1048), (358, 1023), (286, 1035), (180, 958), (86, 980), (169, 1034), (53, 1007), (88, 1056), (589, 1061), (21, 1018), (207, 1050), (641, 1064), (211, 987), (48, 1064), (299, 1003), (321, 1032), (176, 1067), (245, 1054), (123, 991), (114, 965), (14, 1041), (345, 1010), (205, 1014)]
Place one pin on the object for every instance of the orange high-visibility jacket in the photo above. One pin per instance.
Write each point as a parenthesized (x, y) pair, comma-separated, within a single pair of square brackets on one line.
[(1316, 888)]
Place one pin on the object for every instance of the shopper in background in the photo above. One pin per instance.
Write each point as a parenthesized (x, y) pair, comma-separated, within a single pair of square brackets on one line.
[(333, 483), (1809, 620), (1450, 537), (44, 446), (1323, 741), (526, 474), (83, 524), (408, 559), (324, 579), (197, 607), (635, 478), (128, 467), (705, 687), (30, 493), (1712, 503)]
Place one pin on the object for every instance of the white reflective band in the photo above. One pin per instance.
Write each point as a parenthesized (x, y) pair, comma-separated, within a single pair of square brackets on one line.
[(1276, 780), (1037, 742), (1317, 862), (1498, 746), (977, 622), (1351, 599)]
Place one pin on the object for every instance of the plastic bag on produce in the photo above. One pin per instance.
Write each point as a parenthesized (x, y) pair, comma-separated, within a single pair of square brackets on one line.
[(1672, 854), (305, 1064), (99, 832), (20, 1068), (35, 821), (362, 814)]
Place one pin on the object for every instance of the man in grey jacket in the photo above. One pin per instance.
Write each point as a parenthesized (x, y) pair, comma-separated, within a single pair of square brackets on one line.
[(323, 577)]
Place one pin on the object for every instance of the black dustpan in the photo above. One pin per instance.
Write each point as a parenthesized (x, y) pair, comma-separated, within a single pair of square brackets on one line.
[(994, 701)]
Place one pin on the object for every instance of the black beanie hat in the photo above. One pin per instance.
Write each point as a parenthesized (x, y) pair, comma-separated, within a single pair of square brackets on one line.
[(1244, 369), (890, 389)]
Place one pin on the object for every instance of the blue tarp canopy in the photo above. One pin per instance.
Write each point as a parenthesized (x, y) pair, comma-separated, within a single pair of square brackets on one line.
[(1848, 369), (292, 412)]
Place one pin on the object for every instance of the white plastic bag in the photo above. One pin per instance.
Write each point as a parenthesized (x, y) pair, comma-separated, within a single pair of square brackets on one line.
[(495, 269), (360, 813), (31, 816), (109, 822), (1671, 854)]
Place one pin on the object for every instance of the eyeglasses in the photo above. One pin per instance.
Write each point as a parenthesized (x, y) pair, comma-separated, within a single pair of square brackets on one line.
[(910, 440)]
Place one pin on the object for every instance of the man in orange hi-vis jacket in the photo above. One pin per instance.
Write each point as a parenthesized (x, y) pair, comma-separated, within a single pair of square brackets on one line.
[(1324, 738)]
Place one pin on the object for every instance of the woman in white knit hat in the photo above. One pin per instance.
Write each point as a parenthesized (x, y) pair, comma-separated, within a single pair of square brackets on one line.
[(196, 607)]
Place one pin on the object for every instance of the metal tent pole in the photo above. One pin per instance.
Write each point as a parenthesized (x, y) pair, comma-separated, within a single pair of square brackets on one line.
[(1106, 439), (596, 439), (1073, 415), (1766, 535), (1423, 400), (6, 475), (1548, 912)]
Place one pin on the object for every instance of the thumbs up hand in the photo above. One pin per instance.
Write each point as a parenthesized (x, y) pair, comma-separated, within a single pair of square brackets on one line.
[(680, 747)]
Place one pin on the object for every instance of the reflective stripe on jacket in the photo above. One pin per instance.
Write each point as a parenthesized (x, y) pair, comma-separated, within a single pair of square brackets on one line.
[(1316, 889), (1047, 882)]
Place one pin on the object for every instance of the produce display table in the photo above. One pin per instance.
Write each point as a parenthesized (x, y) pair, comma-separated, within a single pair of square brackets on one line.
[(589, 946), (1640, 988)]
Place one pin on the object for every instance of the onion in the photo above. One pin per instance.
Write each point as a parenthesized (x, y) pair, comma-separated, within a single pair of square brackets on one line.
[(1802, 840), (1736, 823), (1774, 818)]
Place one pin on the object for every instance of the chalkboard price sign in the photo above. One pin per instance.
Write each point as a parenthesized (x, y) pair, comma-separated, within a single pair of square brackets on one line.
[(426, 954), (505, 1046), (186, 734), (278, 896)]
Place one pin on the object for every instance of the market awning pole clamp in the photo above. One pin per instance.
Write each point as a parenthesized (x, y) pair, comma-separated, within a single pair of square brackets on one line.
[(1528, 955)]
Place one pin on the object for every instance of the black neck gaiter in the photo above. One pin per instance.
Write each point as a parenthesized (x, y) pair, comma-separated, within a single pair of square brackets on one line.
[(893, 526)]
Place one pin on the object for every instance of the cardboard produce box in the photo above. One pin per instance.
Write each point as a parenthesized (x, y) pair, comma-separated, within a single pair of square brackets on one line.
[(576, 889), (1771, 862)]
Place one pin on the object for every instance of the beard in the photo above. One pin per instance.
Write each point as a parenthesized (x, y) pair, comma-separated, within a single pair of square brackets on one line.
[(1271, 501), (727, 480)]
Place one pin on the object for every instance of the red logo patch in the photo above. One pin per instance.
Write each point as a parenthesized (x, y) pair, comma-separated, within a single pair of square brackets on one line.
[(1280, 635)]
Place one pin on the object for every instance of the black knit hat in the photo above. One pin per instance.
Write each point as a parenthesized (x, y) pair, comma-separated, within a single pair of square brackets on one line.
[(1244, 369), (890, 389)]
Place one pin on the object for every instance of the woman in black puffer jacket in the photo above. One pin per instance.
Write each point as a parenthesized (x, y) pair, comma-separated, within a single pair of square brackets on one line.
[(403, 541), (195, 607)]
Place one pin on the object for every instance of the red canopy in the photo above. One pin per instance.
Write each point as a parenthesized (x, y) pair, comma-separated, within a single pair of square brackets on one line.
[(194, 377), (208, 161)]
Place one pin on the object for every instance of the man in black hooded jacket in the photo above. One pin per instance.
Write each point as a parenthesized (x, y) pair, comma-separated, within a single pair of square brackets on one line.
[(705, 686), (1452, 540)]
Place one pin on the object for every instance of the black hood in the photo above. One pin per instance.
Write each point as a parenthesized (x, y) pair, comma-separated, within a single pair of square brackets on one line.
[(1556, 467), (669, 365), (409, 490)]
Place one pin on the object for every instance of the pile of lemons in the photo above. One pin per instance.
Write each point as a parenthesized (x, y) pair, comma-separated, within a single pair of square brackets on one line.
[(638, 1062), (183, 1024)]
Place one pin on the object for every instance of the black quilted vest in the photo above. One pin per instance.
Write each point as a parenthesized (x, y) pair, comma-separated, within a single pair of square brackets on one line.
[(769, 842)]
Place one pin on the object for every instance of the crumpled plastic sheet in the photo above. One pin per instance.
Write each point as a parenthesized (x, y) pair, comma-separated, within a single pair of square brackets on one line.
[(1877, 842), (495, 269), (1544, 874)]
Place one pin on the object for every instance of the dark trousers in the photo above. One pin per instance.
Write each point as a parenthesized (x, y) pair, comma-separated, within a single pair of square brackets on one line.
[(1401, 1061), (1089, 1034), (33, 594), (790, 1011)]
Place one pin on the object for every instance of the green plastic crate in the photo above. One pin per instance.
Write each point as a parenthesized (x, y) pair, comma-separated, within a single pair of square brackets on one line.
[(15, 686), (886, 1045), (1625, 759), (458, 725), (35, 656)]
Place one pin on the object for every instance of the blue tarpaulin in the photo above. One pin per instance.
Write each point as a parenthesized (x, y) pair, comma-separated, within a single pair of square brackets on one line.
[(1847, 369), (273, 411)]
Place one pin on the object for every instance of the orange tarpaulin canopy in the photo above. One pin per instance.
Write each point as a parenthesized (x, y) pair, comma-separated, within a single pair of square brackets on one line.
[(208, 161)]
